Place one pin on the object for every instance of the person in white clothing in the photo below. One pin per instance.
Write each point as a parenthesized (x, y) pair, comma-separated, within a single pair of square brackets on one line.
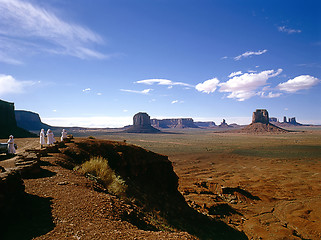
[(63, 135), (11, 148), (50, 137), (42, 138)]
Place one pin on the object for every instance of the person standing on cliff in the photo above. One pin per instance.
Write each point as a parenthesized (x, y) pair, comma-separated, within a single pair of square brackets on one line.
[(50, 137), (11, 148), (42, 138), (63, 135)]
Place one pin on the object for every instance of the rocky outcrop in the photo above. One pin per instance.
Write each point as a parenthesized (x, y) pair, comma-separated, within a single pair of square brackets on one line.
[(141, 124), (8, 124), (174, 123), (260, 116), (29, 120)]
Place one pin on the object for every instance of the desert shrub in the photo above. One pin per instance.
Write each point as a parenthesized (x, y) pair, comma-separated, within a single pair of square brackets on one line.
[(91, 137), (98, 167)]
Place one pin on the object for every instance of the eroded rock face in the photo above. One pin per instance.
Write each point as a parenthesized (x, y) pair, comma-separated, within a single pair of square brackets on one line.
[(29, 120), (141, 124), (260, 116), (141, 119)]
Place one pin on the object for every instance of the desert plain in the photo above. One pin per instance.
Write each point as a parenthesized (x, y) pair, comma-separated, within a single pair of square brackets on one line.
[(267, 186)]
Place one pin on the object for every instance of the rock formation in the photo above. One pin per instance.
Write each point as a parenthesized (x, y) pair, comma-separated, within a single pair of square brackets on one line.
[(8, 124), (29, 120), (260, 116), (224, 124), (260, 124), (141, 124), (174, 123)]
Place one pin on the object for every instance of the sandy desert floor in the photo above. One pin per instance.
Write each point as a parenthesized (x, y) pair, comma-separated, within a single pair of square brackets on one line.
[(268, 186)]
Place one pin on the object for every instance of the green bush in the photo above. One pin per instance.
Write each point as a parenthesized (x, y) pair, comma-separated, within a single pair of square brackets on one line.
[(98, 167)]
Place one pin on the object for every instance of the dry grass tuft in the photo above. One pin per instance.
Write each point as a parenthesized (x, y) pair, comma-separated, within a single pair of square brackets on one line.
[(98, 167)]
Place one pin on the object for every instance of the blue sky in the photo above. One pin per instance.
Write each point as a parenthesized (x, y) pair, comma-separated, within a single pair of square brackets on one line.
[(97, 63)]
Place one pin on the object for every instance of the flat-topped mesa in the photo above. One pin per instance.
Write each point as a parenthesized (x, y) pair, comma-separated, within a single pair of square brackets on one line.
[(260, 116)]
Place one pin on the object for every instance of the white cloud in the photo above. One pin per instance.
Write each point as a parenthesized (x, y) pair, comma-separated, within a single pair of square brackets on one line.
[(233, 74), (9, 85), (28, 28), (245, 86), (208, 86), (175, 101), (165, 82), (298, 83), (99, 94), (145, 91), (288, 30), (86, 90), (270, 95), (249, 53)]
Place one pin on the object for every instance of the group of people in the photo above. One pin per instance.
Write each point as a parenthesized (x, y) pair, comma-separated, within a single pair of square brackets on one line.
[(50, 137), (50, 140)]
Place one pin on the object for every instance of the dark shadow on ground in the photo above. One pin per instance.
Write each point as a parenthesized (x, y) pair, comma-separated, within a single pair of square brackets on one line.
[(204, 227), (6, 156), (30, 218), (223, 210), (42, 174)]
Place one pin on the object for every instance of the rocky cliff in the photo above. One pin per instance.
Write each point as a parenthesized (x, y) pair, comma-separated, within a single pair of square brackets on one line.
[(174, 123), (8, 124), (29, 120)]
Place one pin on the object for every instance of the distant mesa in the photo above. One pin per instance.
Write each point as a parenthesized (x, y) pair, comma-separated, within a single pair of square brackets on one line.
[(174, 123), (287, 122), (30, 120), (141, 124), (8, 123), (209, 124), (261, 124)]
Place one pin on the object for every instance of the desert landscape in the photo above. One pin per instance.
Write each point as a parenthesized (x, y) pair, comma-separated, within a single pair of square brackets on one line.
[(263, 186), (163, 119)]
